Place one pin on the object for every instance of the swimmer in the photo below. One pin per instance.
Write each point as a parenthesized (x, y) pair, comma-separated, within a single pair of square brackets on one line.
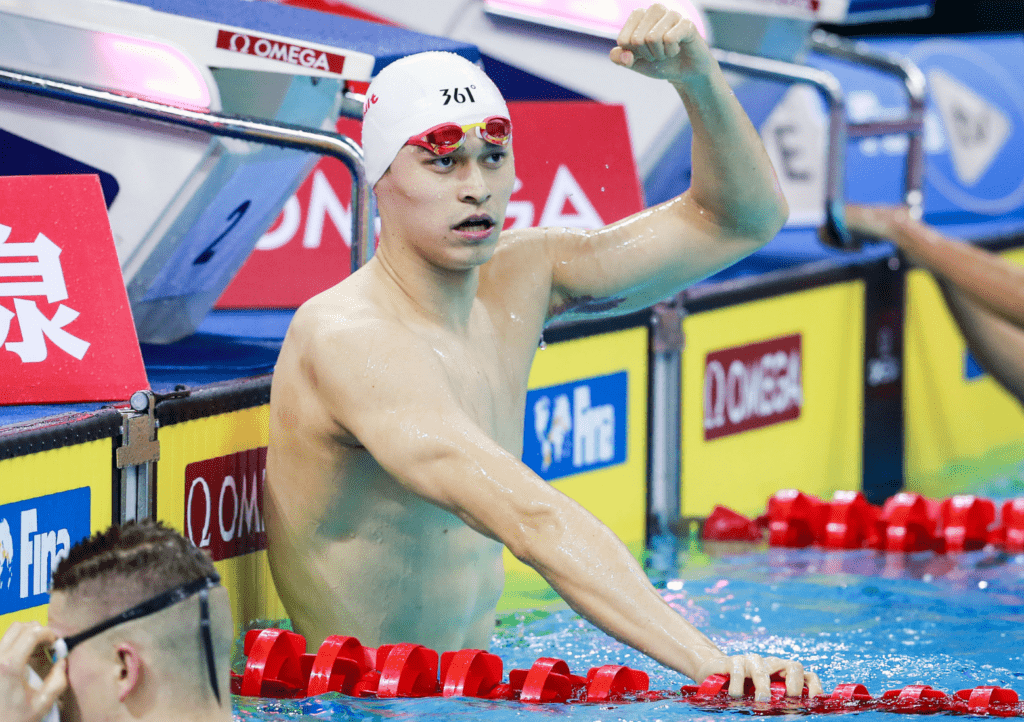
[(984, 293), (140, 629), (397, 408)]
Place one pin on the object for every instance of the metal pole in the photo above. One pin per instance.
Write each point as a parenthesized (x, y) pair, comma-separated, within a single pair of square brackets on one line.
[(838, 129), (664, 497), (916, 87), (831, 90), (250, 129)]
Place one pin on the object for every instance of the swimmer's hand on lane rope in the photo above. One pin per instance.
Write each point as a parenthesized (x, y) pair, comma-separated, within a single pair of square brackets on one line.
[(20, 700), (661, 43), (759, 670)]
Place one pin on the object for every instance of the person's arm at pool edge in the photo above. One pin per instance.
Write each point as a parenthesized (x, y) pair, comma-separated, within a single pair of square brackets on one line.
[(990, 281), (984, 293), (402, 409), (998, 344), (733, 206)]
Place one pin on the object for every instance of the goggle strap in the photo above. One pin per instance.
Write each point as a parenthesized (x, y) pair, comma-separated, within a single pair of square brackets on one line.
[(150, 606), (207, 635)]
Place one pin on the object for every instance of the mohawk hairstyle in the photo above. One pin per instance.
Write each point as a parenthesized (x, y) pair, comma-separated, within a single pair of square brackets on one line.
[(145, 552)]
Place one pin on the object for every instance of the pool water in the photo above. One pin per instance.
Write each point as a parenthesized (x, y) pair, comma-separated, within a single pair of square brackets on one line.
[(882, 620)]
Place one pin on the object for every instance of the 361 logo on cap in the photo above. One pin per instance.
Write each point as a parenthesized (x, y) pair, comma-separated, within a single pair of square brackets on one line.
[(458, 95)]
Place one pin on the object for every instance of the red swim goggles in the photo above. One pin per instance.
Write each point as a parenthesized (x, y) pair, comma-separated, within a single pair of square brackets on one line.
[(449, 137)]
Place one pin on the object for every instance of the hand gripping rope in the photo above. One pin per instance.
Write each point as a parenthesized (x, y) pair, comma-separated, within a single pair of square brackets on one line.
[(278, 667), (906, 523)]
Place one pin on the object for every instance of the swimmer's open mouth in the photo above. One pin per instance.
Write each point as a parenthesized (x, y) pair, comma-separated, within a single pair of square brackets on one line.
[(475, 224)]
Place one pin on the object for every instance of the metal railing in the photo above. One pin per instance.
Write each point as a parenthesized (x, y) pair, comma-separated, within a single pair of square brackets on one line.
[(251, 129), (912, 125), (836, 231)]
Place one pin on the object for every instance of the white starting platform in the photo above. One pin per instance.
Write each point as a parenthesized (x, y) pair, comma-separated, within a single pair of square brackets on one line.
[(186, 205)]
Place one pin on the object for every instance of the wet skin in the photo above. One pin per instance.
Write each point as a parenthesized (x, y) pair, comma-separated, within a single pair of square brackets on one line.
[(398, 401), (404, 568), (146, 669)]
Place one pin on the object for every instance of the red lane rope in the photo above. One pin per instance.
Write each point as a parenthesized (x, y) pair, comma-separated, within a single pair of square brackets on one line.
[(278, 667), (907, 522)]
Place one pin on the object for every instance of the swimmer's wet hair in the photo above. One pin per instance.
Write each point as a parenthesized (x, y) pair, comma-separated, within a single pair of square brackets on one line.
[(145, 552)]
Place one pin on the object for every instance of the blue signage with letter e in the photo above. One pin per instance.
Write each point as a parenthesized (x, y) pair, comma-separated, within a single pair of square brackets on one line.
[(576, 427), (35, 535)]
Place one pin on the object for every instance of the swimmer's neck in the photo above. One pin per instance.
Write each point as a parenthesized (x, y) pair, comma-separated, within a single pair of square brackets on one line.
[(441, 295)]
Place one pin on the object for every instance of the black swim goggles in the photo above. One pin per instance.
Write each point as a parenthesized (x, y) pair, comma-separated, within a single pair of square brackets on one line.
[(62, 647)]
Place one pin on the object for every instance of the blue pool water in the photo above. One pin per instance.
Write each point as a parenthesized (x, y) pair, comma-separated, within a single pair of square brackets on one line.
[(885, 621)]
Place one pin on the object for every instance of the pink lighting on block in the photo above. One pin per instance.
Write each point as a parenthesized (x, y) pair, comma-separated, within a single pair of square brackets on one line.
[(603, 18), (153, 71)]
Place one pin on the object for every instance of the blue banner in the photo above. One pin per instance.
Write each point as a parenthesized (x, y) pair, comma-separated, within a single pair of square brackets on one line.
[(35, 535), (576, 427)]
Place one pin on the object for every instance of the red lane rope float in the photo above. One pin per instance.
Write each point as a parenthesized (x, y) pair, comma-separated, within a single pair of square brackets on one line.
[(277, 666), (906, 523)]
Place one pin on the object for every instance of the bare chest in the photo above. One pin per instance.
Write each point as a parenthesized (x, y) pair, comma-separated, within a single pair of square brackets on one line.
[(488, 382)]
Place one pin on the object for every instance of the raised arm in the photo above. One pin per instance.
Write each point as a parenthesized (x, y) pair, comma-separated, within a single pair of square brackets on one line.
[(984, 293), (402, 407), (733, 206)]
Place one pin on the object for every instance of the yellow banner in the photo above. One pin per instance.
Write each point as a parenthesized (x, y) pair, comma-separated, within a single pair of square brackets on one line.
[(772, 398), (40, 493), (246, 575), (957, 418), (586, 432)]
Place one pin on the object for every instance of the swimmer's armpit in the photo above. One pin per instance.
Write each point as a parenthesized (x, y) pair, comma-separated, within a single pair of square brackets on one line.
[(587, 304)]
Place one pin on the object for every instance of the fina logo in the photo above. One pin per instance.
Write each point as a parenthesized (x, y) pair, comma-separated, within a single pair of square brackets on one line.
[(576, 427), (35, 535)]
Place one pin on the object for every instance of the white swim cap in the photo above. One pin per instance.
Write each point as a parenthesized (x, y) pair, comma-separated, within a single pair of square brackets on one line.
[(418, 92)]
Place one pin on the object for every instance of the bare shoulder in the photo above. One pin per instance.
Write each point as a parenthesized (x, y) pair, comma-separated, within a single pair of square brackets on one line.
[(334, 332), (525, 256), (349, 349)]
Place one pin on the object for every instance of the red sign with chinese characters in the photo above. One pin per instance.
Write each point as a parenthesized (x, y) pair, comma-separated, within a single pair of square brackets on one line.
[(748, 387), (224, 503), (574, 167), (66, 330)]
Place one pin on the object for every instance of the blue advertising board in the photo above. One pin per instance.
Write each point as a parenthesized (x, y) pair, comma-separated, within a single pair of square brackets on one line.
[(35, 534), (974, 127), (576, 427)]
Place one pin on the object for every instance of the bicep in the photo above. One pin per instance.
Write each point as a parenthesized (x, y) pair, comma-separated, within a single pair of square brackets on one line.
[(640, 260), (412, 424), (445, 458)]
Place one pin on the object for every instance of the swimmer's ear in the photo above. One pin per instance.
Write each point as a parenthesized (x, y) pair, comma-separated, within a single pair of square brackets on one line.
[(129, 670)]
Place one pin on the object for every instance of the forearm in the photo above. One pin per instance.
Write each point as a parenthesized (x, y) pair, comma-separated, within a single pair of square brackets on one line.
[(596, 575), (732, 177), (997, 344), (991, 281), (583, 560)]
